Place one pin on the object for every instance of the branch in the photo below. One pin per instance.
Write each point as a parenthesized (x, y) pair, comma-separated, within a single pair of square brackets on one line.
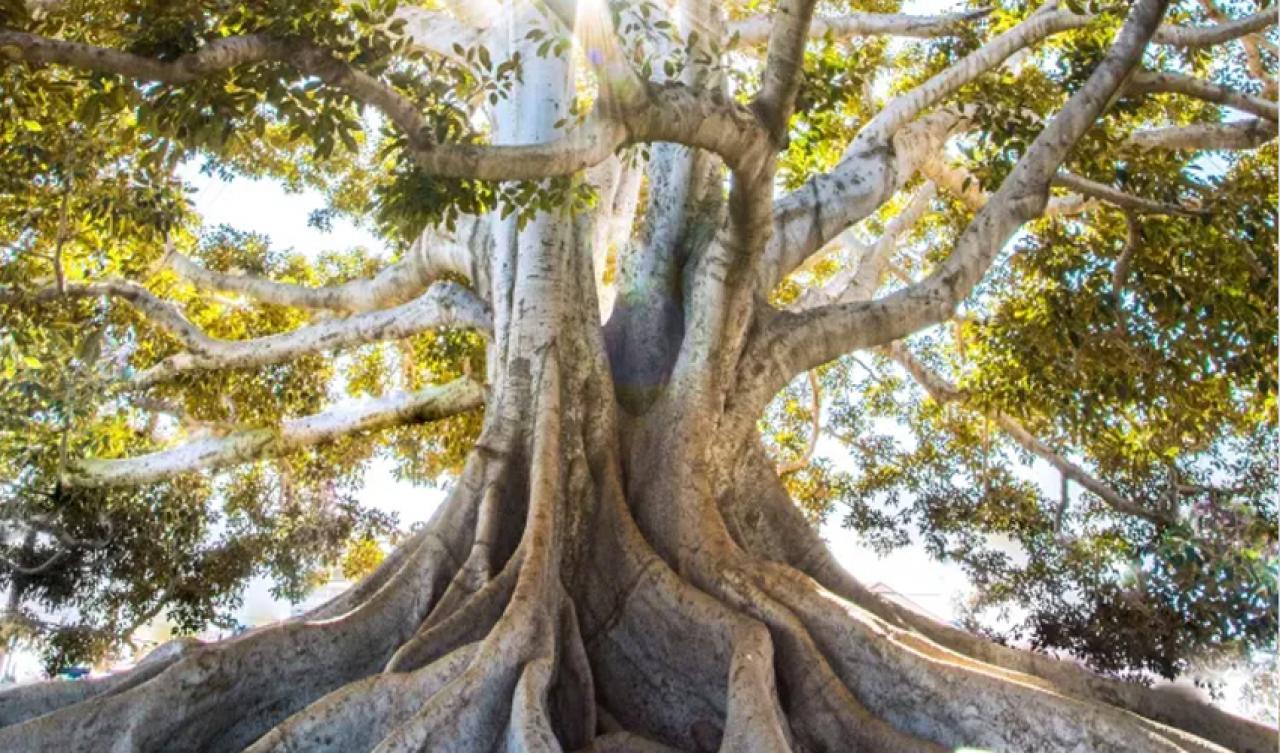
[(962, 184), (1205, 36), (905, 107), (1120, 273), (1145, 82), (1253, 45), (944, 391), (42, 524), (1119, 198), (159, 312), (756, 29), (675, 114), (789, 343), (886, 152), (784, 65), (1238, 135), (396, 283), (216, 452), (445, 304), (1086, 193), (582, 147), (859, 281)]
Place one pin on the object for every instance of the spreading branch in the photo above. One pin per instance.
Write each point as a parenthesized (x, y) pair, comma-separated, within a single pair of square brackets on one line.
[(756, 29), (791, 343), (293, 434), (886, 152), (943, 391), (445, 304), (396, 283), (675, 114), (1176, 83), (1206, 36), (1238, 135), (784, 65)]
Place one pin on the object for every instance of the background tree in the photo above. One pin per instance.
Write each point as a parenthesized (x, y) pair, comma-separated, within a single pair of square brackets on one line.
[(624, 229)]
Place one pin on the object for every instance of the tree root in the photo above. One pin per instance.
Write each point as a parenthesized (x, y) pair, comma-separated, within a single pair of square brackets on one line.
[(358, 715), (614, 651), (767, 524), (223, 696), (28, 702), (911, 683)]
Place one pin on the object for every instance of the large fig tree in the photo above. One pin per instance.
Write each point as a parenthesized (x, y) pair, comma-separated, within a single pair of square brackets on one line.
[(622, 229)]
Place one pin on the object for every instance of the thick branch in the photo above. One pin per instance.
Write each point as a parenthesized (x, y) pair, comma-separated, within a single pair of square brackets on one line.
[(216, 452), (885, 153), (446, 304), (1204, 36), (906, 107), (756, 29), (1239, 135), (784, 64), (396, 283), (678, 115), (943, 391), (1145, 82), (791, 343)]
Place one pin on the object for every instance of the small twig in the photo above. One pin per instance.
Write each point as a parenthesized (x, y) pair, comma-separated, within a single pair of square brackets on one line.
[(1120, 275), (58, 272), (816, 408)]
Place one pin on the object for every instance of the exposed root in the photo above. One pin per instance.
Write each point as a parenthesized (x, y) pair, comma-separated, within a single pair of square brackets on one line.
[(572, 702), (357, 716), (470, 622), (576, 635), (30, 701), (912, 684), (824, 713), (766, 523), (625, 742), (225, 695), (754, 722)]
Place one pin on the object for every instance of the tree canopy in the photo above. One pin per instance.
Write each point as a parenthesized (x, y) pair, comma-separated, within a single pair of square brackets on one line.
[(185, 405)]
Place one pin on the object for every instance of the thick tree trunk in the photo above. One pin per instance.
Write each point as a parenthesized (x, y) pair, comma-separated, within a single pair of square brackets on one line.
[(534, 613), (605, 580)]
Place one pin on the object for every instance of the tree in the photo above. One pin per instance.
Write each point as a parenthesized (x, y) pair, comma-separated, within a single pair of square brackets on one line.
[(618, 565)]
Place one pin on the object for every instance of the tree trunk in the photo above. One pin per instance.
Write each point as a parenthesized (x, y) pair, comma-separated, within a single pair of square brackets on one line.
[(598, 577), (617, 568)]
